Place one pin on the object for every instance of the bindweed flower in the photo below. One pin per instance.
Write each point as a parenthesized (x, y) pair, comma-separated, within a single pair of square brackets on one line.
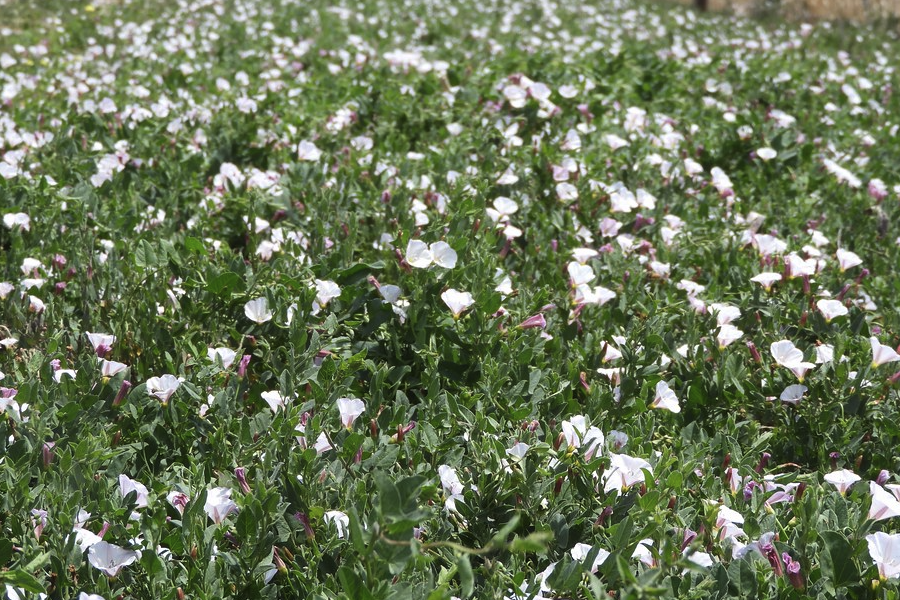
[(340, 521), (110, 558), (831, 309), (350, 409), (884, 505), (101, 342), (666, 398), (219, 504), (882, 354), (624, 471), (258, 310), (178, 500), (163, 387), (421, 256), (842, 480), (123, 391), (242, 366), (128, 485), (534, 322), (225, 356), (39, 521), (452, 486), (787, 355), (884, 549), (458, 302)]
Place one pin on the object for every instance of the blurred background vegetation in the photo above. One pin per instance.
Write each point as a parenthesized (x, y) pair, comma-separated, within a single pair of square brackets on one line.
[(853, 10)]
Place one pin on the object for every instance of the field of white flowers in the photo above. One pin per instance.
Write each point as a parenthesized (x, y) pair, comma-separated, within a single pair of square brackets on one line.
[(494, 299)]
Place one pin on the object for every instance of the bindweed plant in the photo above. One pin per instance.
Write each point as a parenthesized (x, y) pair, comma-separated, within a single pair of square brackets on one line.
[(446, 300)]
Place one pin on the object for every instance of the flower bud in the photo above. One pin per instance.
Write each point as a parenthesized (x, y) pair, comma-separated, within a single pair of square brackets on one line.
[(241, 476)]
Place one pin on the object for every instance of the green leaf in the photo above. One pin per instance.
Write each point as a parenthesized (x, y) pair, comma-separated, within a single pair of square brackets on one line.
[(466, 576), (224, 283), (836, 559), (22, 579), (144, 255), (194, 246)]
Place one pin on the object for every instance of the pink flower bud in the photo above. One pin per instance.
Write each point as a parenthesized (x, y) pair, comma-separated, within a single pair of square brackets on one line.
[(534, 322)]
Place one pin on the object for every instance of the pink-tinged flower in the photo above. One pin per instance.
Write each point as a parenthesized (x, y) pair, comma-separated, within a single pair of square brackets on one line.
[(101, 342), (882, 354), (242, 366), (847, 259), (728, 523), (128, 485), (766, 154), (789, 356), (258, 310), (219, 504), (39, 520), (577, 434), (842, 480), (110, 558), (163, 387), (884, 549), (123, 391), (350, 409), (110, 368), (241, 475), (884, 504), (666, 398), (178, 500), (457, 301), (534, 322), (831, 309)]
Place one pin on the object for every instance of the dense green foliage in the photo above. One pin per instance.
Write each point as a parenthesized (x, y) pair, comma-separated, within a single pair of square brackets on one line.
[(446, 299)]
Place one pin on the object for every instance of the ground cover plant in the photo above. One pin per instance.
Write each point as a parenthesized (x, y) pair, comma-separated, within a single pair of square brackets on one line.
[(458, 299)]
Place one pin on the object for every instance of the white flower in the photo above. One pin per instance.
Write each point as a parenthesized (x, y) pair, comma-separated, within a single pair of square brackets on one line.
[(766, 154), (110, 368), (340, 520), (226, 355), (17, 220), (842, 479), (580, 551), (457, 301), (728, 334), (884, 504), (308, 151), (350, 409), (101, 339), (219, 504), (326, 291), (110, 558), (792, 394), (666, 398), (128, 485), (882, 354), (847, 259), (884, 549), (831, 309), (258, 310), (276, 400), (624, 471), (766, 279), (163, 387), (453, 487), (421, 256), (787, 355)]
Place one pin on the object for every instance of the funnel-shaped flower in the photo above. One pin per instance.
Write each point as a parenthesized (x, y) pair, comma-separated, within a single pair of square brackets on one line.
[(350, 409), (163, 387), (666, 398), (787, 355), (219, 504), (258, 310), (831, 309), (110, 558), (882, 354), (884, 549), (842, 480), (457, 301)]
